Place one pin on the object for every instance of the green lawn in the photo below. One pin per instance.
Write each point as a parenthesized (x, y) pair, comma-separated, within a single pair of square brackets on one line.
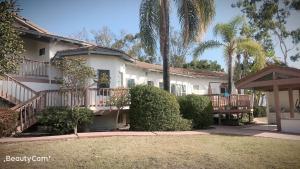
[(206, 151)]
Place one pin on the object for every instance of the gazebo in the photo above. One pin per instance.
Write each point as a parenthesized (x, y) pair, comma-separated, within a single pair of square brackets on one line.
[(276, 79)]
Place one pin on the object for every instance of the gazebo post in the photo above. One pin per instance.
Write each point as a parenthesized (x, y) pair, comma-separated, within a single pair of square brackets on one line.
[(277, 106), (291, 101)]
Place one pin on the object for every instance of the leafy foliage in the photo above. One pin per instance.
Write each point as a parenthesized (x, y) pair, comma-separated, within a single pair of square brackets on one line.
[(268, 20), (8, 122), (76, 76), (76, 73), (153, 109), (204, 65), (198, 109), (57, 119), (11, 45), (119, 98), (233, 45), (259, 111), (194, 17), (61, 120)]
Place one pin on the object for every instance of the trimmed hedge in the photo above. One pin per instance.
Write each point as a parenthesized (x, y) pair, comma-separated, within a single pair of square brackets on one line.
[(61, 120), (198, 109), (153, 109)]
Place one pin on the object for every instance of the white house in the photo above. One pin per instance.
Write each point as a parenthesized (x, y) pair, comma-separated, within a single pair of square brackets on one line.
[(37, 75)]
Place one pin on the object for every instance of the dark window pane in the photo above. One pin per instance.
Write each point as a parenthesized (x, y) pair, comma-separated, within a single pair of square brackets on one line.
[(42, 51)]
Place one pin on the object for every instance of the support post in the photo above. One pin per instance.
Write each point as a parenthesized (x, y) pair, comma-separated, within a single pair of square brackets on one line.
[(291, 101), (277, 106)]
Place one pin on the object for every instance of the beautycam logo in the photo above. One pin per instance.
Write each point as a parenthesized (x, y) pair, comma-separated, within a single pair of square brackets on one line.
[(27, 159)]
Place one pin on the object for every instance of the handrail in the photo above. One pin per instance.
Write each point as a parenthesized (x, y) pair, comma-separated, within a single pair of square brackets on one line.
[(16, 81), (30, 60), (16, 107)]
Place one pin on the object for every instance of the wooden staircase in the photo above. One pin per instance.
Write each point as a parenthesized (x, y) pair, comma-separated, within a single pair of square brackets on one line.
[(27, 102)]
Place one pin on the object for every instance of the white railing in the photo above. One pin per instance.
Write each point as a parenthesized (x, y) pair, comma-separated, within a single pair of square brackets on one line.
[(14, 91), (28, 111), (97, 99), (33, 68)]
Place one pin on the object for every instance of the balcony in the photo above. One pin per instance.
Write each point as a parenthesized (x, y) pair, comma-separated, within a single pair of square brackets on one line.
[(33, 68)]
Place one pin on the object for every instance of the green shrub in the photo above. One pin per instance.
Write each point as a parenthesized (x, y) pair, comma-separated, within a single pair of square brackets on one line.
[(153, 109), (8, 122), (198, 109), (61, 120), (259, 111)]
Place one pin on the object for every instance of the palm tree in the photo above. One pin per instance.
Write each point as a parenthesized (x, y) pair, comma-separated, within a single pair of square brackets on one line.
[(194, 16), (233, 45)]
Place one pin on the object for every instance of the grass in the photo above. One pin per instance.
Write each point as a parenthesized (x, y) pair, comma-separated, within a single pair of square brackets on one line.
[(206, 151)]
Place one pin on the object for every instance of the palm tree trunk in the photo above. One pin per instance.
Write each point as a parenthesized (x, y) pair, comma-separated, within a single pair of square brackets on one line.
[(230, 76), (239, 67), (164, 42)]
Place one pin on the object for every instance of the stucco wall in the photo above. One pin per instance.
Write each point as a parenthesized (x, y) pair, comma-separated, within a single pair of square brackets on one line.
[(32, 48)]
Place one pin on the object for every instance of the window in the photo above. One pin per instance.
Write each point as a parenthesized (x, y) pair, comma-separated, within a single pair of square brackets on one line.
[(161, 85), (196, 87), (42, 51), (173, 89), (183, 90), (223, 90), (103, 78), (150, 83), (130, 83), (178, 89)]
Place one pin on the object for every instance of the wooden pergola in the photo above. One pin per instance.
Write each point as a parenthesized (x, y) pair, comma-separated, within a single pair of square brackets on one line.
[(274, 79)]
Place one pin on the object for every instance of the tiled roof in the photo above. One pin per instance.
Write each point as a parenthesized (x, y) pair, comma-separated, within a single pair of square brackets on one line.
[(33, 29), (180, 71), (95, 50)]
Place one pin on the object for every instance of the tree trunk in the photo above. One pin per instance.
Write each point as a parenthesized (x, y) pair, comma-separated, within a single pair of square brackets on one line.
[(164, 42), (75, 130), (239, 68), (117, 119), (230, 80)]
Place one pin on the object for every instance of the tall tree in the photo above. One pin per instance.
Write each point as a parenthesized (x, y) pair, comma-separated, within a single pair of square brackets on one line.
[(232, 44), (11, 45), (104, 37), (204, 65), (178, 50), (268, 20), (194, 16)]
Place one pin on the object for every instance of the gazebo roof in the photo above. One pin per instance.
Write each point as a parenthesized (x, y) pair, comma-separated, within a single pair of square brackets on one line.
[(284, 77)]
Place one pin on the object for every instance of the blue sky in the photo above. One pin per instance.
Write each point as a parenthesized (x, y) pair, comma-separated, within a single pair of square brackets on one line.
[(64, 17)]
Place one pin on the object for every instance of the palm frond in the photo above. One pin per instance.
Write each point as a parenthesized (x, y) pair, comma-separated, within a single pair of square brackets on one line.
[(149, 24), (194, 16), (206, 11), (229, 30), (205, 45), (255, 50)]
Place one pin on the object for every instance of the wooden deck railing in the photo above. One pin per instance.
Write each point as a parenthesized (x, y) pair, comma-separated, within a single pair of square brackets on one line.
[(14, 91), (234, 101), (100, 98), (28, 111), (92, 98), (33, 68)]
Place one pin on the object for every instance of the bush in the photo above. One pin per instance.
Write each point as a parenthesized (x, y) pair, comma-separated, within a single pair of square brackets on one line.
[(8, 122), (61, 120), (259, 111), (153, 109), (198, 109)]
